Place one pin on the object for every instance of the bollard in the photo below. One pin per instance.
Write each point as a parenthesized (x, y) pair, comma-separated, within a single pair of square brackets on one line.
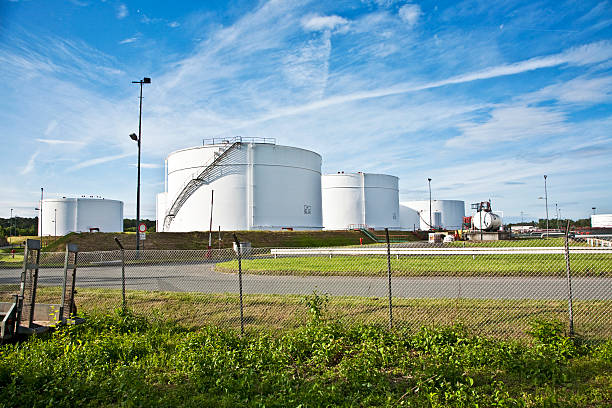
[(569, 281), (389, 274), (122, 272), (240, 284)]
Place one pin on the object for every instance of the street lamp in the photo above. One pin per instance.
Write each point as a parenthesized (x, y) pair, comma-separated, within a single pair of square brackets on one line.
[(138, 139), (593, 208), (429, 181), (546, 199), (40, 219)]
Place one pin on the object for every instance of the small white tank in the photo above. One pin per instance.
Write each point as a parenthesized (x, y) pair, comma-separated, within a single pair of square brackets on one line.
[(490, 221), (352, 200), (63, 215)]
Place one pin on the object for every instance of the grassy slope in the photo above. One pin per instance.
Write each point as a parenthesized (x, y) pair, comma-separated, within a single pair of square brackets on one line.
[(120, 359), (199, 240)]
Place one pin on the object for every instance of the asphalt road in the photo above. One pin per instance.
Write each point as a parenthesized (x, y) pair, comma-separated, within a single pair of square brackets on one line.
[(202, 278)]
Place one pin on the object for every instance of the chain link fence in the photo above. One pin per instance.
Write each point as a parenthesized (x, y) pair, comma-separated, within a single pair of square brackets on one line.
[(496, 289)]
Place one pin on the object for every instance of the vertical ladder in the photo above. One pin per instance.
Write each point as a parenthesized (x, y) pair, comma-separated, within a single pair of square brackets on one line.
[(29, 281), (67, 306)]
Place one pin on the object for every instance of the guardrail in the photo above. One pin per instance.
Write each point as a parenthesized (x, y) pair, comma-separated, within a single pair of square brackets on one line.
[(598, 242), (437, 251)]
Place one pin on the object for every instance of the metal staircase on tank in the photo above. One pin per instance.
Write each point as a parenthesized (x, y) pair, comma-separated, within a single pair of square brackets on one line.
[(204, 177)]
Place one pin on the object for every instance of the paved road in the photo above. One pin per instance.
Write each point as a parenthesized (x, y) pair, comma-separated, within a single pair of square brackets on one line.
[(202, 278)]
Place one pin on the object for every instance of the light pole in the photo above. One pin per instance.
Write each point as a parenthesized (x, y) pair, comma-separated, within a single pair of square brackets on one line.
[(11, 224), (429, 181), (138, 139), (41, 204), (557, 211), (546, 199)]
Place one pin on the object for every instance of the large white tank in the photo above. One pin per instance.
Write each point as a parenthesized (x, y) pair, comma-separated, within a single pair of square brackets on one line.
[(257, 186), (446, 214), (61, 216), (601, 221), (360, 199), (409, 218), (486, 221)]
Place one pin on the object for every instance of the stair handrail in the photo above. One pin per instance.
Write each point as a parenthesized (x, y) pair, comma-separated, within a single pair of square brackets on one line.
[(192, 185)]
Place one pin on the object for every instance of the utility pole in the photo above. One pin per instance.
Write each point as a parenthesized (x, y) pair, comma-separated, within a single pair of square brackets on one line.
[(41, 208), (546, 199), (430, 224), (11, 224)]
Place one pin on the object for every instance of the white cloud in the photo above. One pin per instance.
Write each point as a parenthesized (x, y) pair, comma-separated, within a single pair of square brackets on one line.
[(99, 160), (51, 127), (122, 11), (30, 164), (410, 14), (128, 40), (581, 90), (173, 24), (58, 141), (509, 124), (319, 23)]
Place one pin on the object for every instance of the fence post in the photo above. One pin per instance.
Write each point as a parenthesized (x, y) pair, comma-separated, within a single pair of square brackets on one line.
[(389, 275), (240, 283), (122, 272), (569, 280)]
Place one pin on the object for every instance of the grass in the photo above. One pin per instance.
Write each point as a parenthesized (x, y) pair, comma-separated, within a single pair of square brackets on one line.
[(496, 318), (599, 265), (8, 258), (120, 358)]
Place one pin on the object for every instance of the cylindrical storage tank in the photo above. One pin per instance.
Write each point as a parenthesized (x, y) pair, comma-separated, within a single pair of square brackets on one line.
[(353, 200), (486, 221), (61, 216), (601, 221), (252, 186), (409, 218), (451, 213)]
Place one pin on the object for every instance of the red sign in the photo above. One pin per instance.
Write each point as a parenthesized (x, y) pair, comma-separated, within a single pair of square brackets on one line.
[(142, 227)]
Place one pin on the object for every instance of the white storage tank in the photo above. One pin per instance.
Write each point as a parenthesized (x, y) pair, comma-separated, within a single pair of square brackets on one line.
[(61, 216), (409, 218), (601, 221), (446, 214), (257, 186), (487, 221), (352, 200)]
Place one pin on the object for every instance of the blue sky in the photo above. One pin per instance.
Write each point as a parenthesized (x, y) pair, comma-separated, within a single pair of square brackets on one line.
[(483, 97)]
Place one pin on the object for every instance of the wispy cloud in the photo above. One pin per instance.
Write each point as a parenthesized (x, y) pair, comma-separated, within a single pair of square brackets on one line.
[(410, 14), (122, 11), (318, 23), (510, 124), (128, 40), (59, 141), (30, 164), (99, 160)]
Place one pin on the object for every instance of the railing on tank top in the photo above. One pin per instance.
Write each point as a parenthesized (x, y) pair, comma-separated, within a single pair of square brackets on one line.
[(238, 139)]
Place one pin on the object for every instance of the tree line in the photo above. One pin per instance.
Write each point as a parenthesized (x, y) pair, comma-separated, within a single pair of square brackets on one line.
[(24, 226)]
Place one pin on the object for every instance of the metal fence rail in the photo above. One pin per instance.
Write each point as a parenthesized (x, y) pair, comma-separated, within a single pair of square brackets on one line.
[(496, 289)]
